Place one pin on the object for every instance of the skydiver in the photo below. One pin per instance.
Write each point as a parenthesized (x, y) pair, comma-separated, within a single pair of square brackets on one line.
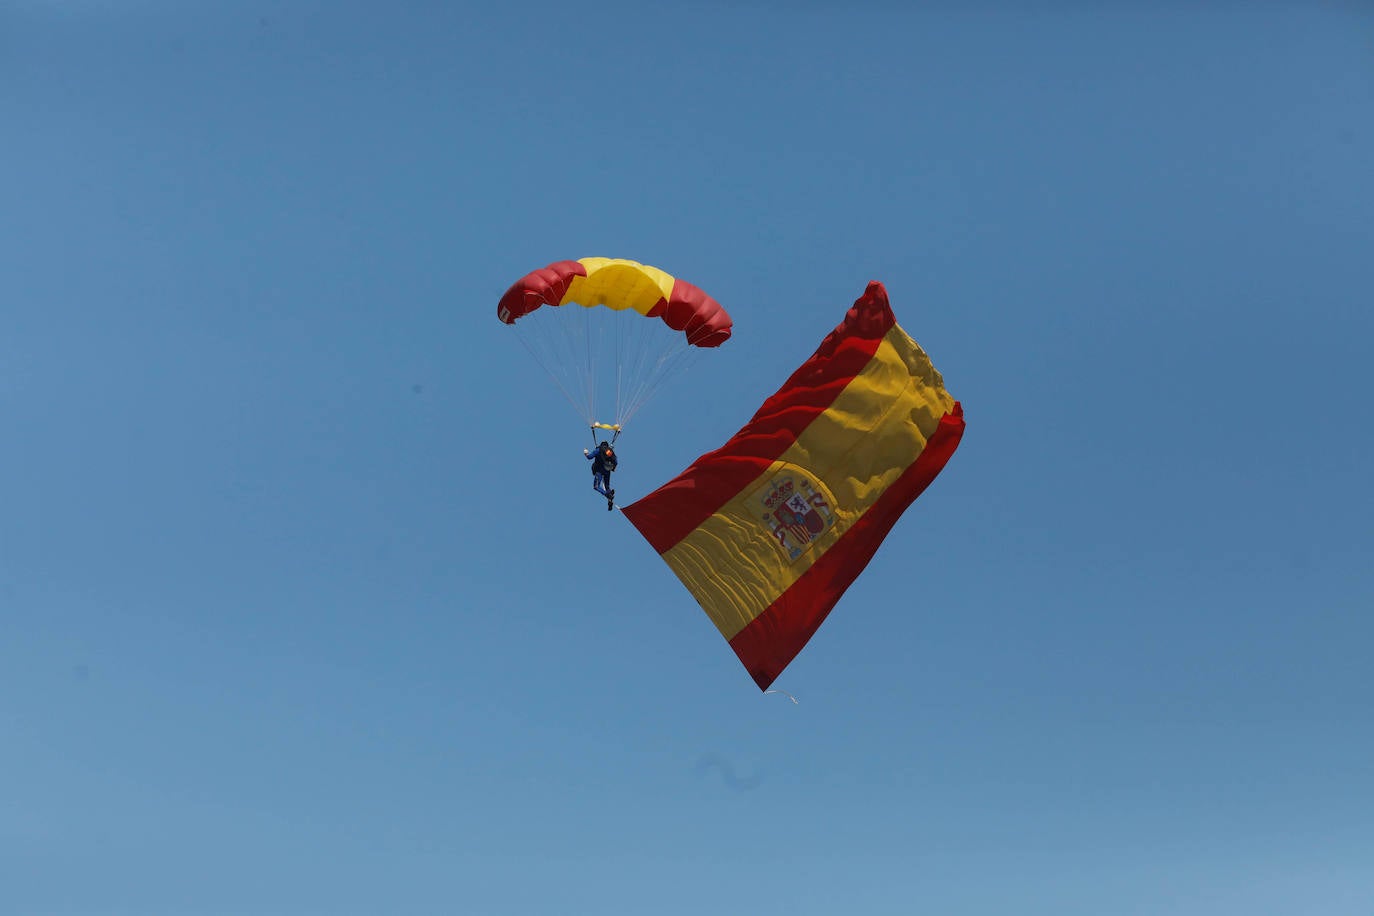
[(603, 462)]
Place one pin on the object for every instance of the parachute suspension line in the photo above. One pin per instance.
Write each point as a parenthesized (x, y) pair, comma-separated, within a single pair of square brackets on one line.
[(635, 374), (620, 351), (674, 357), (585, 358), (590, 373), (640, 359), (545, 365), (563, 341), (571, 332), (647, 381), (631, 344), (642, 340)]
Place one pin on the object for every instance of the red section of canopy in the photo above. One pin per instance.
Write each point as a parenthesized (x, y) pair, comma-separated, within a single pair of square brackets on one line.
[(696, 314), (546, 286), (675, 509), (769, 643)]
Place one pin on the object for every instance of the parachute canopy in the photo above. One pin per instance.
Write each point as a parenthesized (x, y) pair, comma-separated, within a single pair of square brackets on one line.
[(618, 284), (769, 530), (630, 328)]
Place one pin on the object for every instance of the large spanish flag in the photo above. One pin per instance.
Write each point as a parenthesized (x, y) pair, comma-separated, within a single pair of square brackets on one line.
[(768, 530)]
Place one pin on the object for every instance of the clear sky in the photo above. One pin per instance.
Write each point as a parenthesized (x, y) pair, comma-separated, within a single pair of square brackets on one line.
[(307, 607)]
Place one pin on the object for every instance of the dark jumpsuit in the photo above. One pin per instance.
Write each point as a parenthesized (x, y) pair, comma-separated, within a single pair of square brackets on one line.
[(603, 462)]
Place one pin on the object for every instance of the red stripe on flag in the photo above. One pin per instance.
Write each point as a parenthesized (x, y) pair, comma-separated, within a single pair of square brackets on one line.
[(674, 510), (769, 643)]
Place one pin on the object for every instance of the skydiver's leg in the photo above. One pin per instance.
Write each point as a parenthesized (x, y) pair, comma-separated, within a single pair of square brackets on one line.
[(600, 484)]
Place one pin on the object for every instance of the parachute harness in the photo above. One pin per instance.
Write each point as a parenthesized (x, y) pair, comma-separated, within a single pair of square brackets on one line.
[(614, 427)]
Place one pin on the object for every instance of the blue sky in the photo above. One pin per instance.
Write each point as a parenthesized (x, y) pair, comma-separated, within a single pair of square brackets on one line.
[(306, 606)]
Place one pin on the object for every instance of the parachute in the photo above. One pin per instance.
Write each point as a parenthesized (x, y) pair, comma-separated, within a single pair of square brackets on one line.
[(634, 328)]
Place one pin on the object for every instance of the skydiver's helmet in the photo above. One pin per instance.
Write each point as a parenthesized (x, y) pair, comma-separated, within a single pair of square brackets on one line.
[(604, 446)]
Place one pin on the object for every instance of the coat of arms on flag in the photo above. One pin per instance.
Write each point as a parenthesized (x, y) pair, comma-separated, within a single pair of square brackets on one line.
[(795, 511)]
